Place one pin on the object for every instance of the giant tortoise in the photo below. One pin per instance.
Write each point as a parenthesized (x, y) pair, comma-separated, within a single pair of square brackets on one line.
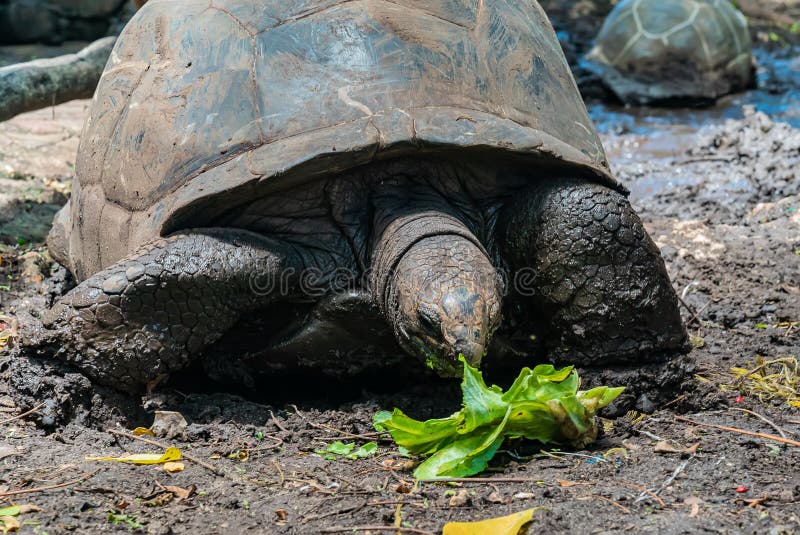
[(673, 51), (334, 184)]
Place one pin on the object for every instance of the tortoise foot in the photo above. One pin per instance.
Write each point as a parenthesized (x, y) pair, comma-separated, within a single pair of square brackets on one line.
[(589, 280), (153, 312)]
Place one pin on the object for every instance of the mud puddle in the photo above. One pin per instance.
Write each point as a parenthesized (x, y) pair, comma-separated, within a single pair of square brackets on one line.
[(644, 139)]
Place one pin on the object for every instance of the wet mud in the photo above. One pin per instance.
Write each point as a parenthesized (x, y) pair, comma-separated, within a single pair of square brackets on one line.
[(717, 189)]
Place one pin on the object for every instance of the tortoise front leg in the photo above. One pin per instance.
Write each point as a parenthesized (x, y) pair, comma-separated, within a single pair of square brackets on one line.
[(152, 312), (587, 276)]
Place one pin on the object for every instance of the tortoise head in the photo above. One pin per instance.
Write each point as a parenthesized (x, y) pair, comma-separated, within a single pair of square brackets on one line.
[(445, 302)]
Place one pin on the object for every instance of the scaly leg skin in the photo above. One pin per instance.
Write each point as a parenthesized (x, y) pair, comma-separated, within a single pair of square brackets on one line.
[(596, 279), (437, 288), (152, 312)]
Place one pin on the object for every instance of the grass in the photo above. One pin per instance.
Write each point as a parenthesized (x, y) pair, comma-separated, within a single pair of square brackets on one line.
[(768, 380)]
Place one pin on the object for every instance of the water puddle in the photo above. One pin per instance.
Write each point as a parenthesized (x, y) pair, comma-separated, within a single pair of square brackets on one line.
[(638, 140)]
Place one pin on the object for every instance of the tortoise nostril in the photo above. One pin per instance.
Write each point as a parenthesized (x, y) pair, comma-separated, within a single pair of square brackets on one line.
[(472, 351)]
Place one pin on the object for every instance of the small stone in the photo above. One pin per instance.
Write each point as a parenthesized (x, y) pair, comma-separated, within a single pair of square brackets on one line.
[(459, 499), (169, 424), (495, 497), (115, 284), (134, 272), (108, 315), (643, 404)]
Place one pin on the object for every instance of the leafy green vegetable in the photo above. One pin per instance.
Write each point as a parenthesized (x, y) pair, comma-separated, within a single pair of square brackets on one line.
[(12, 510), (346, 450), (542, 404), (128, 520)]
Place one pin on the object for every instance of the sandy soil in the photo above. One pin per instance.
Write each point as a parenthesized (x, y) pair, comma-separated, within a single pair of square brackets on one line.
[(721, 200)]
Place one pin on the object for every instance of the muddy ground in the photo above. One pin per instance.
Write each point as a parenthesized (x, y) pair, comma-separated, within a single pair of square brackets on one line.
[(719, 191)]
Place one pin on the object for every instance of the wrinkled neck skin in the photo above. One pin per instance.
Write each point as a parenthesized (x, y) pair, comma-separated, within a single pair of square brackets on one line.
[(430, 271), (417, 235)]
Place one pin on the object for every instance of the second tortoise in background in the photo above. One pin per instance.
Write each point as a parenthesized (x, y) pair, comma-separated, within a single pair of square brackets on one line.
[(673, 51), (53, 22)]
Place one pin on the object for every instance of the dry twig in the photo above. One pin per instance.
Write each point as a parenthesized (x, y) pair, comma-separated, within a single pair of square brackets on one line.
[(164, 447), (352, 529), (276, 422), (49, 487), (609, 500), (23, 415), (681, 467), (378, 437), (741, 431), (480, 480), (763, 419)]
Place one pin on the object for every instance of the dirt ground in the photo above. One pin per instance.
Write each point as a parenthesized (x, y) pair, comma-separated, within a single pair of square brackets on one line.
[(719, 191)]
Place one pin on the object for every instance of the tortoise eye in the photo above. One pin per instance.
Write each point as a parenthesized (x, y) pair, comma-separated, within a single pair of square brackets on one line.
[(429, 322)]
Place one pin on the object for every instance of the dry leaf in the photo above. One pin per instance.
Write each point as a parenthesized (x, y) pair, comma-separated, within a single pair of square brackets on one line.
[(172, 467), (182, 494), (161, 499), (504, 525), (691, 450), (9, 523), (172, 454), (565, 483), (403, 488), (7, 451), (665, 447), (29, 508), (139, 431), (695, 502)]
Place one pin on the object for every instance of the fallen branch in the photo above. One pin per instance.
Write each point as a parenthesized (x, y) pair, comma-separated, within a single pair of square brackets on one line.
[(46, 82), (741, 431), (49, 487)]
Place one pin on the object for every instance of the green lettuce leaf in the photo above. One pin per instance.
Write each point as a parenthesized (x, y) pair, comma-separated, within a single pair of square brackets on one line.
[(418, 437), (466, 455), (542, 404)]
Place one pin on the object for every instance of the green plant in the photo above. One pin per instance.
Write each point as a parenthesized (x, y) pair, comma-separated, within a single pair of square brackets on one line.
[(542, 404)]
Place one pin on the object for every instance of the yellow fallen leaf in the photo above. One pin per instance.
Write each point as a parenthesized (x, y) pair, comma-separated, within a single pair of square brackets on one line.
[(172, 454), (139, 431), (173, 467), (504, 525), (9, 523)]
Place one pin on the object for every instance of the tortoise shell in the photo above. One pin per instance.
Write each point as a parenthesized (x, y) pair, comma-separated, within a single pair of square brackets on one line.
[(201, 100), (651, 50)]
